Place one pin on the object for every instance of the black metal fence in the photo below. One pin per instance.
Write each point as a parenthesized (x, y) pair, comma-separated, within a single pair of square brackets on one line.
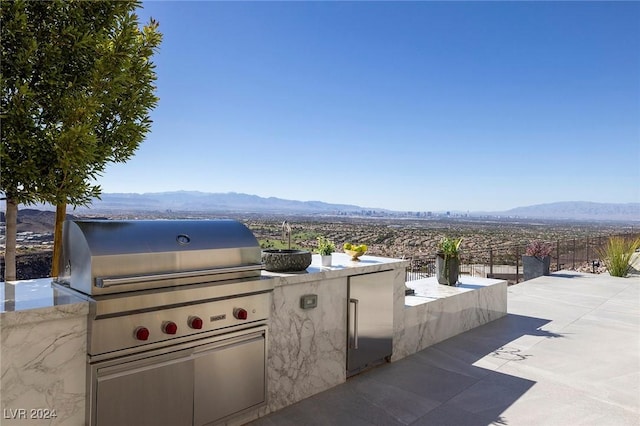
[(506, 262)]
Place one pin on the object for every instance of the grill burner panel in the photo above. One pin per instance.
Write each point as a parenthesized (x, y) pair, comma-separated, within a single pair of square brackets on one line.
[(120, 333)]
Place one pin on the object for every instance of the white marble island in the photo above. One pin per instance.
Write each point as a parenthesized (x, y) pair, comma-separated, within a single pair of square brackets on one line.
[(437, 312), (44, 332), (43, 335), (308, 347)]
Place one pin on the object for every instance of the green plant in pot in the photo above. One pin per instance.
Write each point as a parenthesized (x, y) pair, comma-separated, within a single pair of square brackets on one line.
[(325, 249), (536, 260), (448, 260)]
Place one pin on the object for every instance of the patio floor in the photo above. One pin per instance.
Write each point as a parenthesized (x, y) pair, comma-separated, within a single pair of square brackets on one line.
[(568, 353)]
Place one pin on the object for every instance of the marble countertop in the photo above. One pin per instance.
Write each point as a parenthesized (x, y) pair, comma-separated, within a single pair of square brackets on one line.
[(40, 294), (428, 289), (28, 296), (341, 266)]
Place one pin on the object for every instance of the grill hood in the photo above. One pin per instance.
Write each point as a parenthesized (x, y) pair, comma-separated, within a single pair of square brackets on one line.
[(112, 256)]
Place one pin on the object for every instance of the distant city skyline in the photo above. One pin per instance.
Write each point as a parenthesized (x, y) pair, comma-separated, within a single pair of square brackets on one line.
[(161, 204), (416, 106)]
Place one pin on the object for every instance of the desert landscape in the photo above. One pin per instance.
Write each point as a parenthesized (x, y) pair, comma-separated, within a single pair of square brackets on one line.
[(485, 240)]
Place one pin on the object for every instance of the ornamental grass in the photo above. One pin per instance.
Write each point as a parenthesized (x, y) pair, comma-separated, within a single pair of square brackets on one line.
[(617, 255)]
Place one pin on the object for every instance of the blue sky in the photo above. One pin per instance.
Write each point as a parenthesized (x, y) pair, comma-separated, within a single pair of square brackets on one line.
[(420, 106)]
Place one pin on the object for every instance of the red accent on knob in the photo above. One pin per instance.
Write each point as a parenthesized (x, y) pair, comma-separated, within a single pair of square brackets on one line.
[(195, 322), (240, 313), (141, 333), (170, 327)]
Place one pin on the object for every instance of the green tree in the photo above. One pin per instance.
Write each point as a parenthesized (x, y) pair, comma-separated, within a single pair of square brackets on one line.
[(77, 85)]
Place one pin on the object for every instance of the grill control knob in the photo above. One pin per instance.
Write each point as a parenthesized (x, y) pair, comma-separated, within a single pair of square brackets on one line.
[(240, 313), (170, 327), (195, 322), (141, 333)]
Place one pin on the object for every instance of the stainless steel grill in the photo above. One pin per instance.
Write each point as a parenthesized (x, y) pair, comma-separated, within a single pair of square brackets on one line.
[(178, 319), (104, 256)]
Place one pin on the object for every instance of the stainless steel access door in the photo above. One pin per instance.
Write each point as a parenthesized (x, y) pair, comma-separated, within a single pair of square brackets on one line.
[(200, 383), (370, 320), (229, 377), (147, 392)]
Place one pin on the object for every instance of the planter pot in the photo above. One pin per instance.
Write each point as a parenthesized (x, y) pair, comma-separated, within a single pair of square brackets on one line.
[(447, 270), (276, 260), (326, 260), (534, 266)]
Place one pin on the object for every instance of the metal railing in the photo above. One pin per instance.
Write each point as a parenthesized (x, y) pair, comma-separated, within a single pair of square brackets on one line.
[(506, 262)]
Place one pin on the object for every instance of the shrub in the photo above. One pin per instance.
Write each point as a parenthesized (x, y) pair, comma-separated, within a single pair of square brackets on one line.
[(538, 249), (617, 255)]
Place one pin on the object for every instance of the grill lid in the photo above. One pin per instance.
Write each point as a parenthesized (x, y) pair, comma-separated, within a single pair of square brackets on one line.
[(109, 256)]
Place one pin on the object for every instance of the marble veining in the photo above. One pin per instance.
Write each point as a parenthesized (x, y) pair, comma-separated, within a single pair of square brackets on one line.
[(307, 347), (439, 312), (43, 367), (43, 337)]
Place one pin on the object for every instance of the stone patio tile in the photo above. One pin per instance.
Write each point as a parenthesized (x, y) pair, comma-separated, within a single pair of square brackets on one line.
[(568, 353)]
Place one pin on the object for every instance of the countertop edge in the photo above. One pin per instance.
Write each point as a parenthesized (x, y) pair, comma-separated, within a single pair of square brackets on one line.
[(341, 267), (36, 315), (427, 290), (44, 301)]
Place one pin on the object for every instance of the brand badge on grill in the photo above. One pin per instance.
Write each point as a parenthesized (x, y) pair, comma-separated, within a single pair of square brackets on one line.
[(183, 239), (217, 317)]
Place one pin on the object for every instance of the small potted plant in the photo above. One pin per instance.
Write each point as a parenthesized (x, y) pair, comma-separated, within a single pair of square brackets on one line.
[(448, 260), (536, 260), (325, 248)]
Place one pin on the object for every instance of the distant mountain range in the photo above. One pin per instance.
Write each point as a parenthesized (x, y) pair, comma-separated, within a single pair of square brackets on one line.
[(193, 201), (205, 201), (238, 202), (579, 210)]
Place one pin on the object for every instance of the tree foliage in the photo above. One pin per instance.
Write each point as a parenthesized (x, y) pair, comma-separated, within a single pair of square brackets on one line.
[(77, 87)]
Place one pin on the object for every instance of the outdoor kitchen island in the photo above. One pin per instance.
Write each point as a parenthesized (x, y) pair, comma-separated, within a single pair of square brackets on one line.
[(43, 363), (308, 346)]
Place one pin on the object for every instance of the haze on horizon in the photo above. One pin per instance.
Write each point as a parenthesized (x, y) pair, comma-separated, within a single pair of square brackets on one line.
[(417, 106)]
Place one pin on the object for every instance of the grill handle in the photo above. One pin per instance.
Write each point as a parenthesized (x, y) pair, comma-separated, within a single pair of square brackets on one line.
[(110, 282)]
